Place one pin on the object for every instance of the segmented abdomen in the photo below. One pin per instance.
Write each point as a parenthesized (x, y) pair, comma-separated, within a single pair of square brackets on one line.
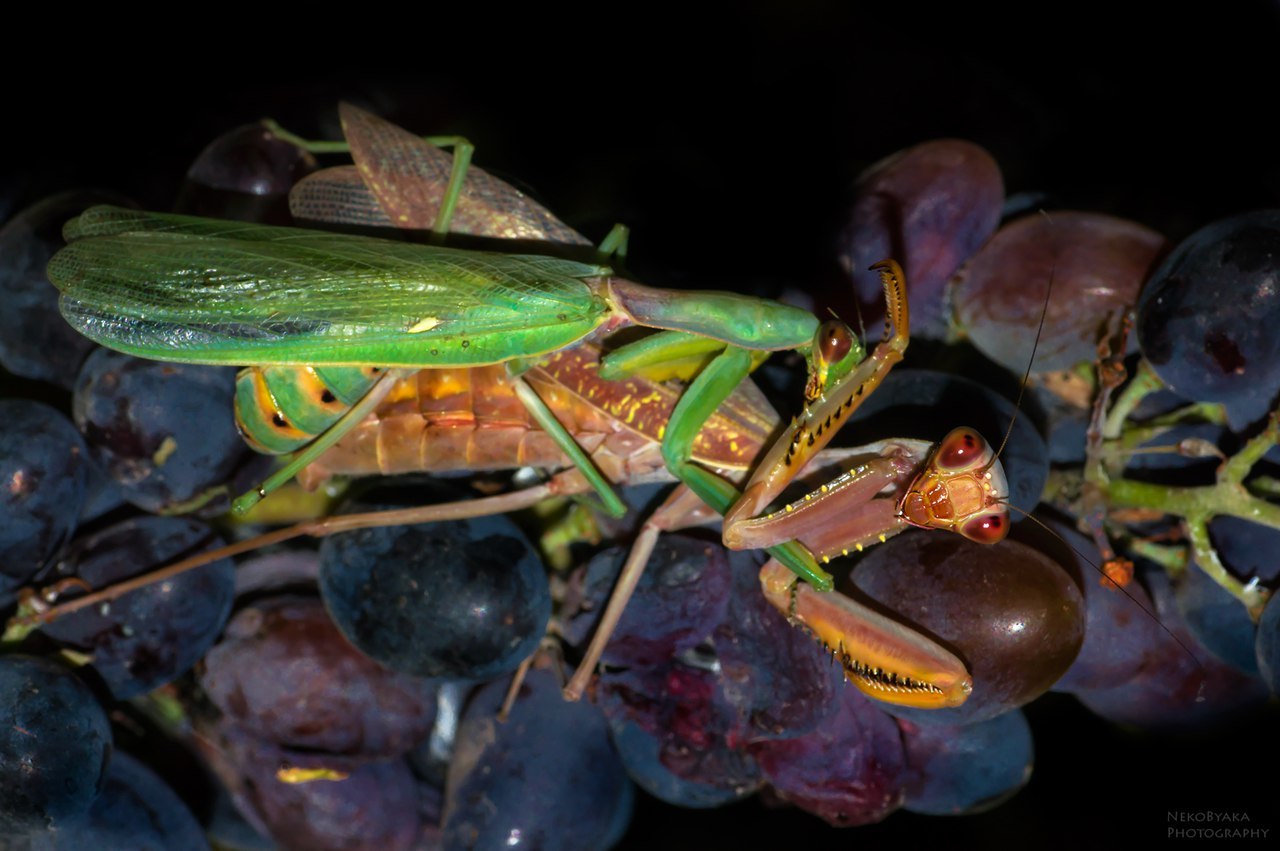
[(471, 419)]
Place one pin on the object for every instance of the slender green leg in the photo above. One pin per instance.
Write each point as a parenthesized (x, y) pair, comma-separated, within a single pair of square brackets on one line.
[(462, 151), (615, 243), (613, 504), (712, 386)]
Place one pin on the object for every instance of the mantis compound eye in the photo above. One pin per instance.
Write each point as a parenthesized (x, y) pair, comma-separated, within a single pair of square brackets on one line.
[(962, 449), (989, 527), (833, 341)]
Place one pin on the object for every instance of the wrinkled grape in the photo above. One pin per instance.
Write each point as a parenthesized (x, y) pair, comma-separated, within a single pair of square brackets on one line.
[(322, 801), (681, 597), (930, 207), (1096, 263), (849, 771), (284, 673)]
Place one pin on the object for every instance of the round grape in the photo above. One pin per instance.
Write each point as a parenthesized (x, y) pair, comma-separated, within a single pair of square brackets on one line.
[(1205, 319), (55, 743), (465, 599)]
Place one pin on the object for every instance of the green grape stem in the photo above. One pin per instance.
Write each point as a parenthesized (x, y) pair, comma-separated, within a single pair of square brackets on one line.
[(1196, 506)]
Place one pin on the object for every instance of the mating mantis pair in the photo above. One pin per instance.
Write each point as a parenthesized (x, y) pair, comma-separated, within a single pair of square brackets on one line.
[(337, 324)]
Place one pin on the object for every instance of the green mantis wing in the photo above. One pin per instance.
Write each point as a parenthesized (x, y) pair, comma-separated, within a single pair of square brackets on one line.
[(197, 290)]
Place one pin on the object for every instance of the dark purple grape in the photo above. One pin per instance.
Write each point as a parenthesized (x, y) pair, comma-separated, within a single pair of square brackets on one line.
[(1182, 687), (284, 673), (1009, 612), (548, 777), (55, 743), (1250, 550), (467, 599), (1096, 263), (686, 743), (1217, 619), (967, 768), (1267, 644), (930, 207), (641, 752), (245, 174), (1205, 320), (136, 811), (43, 467), (779, 679), (165, 432), (682, 596), (849, 771), (1119, 632), (152, 634), (322, 802), (102, 493), (927, 405), (35, 341)]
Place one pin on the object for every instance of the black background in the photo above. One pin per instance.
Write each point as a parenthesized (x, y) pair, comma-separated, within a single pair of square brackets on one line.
[(730, 145)]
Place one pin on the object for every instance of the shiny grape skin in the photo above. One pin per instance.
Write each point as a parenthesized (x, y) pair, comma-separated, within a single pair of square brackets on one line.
[(1205, 322), (35, 341), (284, 673), (849, 771), (1012, 614), (466, 599), (547, 777), (136, 811), (153, 634), (965, 769), (165, 432), (245, 174), (43, 463), (930, 207), (55, 744), (1096, 263), (1119, 630)]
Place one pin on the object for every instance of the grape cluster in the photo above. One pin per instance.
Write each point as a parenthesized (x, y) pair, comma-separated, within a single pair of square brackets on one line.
[(358, 697)]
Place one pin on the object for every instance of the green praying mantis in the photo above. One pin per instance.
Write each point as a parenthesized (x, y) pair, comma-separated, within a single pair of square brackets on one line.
[(333, 321)]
